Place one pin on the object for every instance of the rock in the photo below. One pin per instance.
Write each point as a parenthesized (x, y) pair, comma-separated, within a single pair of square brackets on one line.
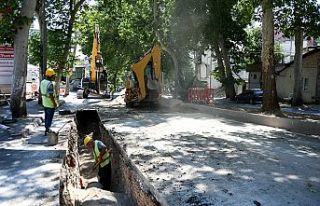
[(257, 203)]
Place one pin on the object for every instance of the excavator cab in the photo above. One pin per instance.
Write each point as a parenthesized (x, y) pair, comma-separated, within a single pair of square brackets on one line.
[(143, 85)]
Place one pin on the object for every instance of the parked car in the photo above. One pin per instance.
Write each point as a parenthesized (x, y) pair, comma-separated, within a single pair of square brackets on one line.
[(251, 96)]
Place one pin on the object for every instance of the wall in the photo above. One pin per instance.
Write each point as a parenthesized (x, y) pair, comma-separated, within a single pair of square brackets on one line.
[(254, 80), (285, 81)]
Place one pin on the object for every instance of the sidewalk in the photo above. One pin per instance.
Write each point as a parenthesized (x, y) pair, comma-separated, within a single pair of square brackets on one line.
[(29, 169), (307, 111)]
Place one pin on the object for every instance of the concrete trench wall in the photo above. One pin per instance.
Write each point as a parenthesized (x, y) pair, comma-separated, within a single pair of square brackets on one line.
[(126, 177)]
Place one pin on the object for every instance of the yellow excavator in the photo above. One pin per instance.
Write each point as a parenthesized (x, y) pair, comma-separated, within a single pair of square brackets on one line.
[(94, 81), (143, 84)]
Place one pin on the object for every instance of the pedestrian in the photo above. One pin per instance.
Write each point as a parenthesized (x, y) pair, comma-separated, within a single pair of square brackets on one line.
[(102, 159), (49, 100)]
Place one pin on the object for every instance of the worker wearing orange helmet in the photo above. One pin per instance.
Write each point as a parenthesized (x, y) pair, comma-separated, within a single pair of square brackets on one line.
[(103, 160), (49, 100)]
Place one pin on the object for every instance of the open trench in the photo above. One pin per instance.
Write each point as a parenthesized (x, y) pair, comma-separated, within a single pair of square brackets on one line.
[(79, 184)]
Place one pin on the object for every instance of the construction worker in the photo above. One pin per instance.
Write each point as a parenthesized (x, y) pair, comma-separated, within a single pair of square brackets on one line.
[(49, 101), (102, 159)]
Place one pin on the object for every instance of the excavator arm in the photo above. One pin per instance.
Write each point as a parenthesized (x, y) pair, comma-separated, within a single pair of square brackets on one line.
[(94, 53), (139, 69)]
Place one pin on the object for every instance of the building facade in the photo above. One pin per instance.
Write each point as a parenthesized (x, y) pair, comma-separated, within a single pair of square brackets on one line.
[(310, 78)]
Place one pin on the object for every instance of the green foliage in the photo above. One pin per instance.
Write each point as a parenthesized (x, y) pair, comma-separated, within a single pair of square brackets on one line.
[(246, 10), (10, 20), (34, 49), (225, 25), (58, 18), (126, 33), (291, 14), (56, 44), (182, 25), (253, 47)]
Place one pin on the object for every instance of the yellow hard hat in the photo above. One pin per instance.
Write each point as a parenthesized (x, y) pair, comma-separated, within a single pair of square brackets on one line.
[(86, 140), (50, 72)]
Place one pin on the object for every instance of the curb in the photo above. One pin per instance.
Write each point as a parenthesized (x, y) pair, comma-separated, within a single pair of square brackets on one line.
[(292, 125)]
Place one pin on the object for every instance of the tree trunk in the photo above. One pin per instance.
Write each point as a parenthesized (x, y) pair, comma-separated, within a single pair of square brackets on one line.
[(66, 91), (270, 100), (43, 44), (297, 88), (114, 82), (229, 84), (58, 81), (221, 69), (74, 8), (18, 91)]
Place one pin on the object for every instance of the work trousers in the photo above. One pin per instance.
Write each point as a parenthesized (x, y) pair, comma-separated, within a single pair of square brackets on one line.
[(105, 176), (48, 116)]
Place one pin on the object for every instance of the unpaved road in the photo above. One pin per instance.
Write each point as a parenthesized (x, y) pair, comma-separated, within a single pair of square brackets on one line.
[(197, 159)]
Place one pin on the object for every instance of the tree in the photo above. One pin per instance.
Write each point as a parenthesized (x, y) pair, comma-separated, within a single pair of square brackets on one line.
[(126, 33), (253, 47), (61, 19), (160, 35), (41, 11), (175, 28), (15, 23), (196, 26), (298, 18), (270, 99)]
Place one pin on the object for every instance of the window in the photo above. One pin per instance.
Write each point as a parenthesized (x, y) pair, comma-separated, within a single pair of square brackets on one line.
[(305, 84)]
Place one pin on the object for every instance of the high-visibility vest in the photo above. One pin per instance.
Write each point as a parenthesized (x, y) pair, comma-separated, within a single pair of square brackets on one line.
[(46, 101), (105, 157)]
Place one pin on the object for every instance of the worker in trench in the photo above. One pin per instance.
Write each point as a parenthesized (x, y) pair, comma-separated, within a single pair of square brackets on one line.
[(102, 160)]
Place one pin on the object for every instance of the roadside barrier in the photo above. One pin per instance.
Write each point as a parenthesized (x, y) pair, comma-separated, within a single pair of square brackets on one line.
[(198, 95)]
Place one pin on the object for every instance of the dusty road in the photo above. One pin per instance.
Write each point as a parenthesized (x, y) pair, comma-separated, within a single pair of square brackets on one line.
[(29, 169), (197, 159), (29, 173), (190, 158)]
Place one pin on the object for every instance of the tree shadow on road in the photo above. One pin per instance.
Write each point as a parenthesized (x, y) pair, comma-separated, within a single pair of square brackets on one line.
[(236, 169), (30, 177)]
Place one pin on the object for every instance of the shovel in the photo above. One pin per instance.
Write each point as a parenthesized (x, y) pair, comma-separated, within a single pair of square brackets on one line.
[(53, 136)]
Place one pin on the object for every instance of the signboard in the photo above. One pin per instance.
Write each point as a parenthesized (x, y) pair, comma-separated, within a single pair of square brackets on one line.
[(6, 67)]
